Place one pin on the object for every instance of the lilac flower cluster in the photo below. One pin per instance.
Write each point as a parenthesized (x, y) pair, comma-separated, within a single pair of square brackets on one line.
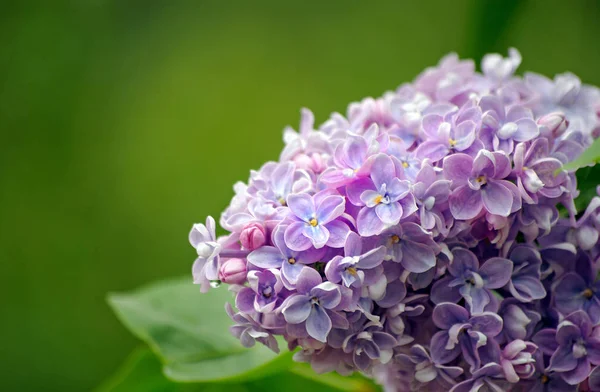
[(427, 239)]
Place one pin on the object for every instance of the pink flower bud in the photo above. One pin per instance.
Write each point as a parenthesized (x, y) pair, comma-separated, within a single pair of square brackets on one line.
[(312, 162), (553, 125), (253, 235), (233, 271)]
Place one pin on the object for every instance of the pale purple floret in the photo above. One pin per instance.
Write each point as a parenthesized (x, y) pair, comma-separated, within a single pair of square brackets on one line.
[(454, 131), (586, 232), (410, 245), (566, 94), (314, 221), (543, 380), (384, 198), (398, 316), (478, 183), (498, 68), (517, 360), (369, 347), (573, 347), (468, 280), (579, 290), (594, 380), (487, 379), (537, 172), (431, 193), (520, 320), (356, 268), (280, 256), (206, 267), (263, 295), (351, 162), (428, 375), (462, 334), (503, 127), (278, 183), (314, 304), (525, 283), (249, 331)]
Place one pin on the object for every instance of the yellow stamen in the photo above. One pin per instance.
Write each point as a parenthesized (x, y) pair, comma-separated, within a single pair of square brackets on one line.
[(351, 271), (452, 142), (405, 164), (292, 260), (481, 180), (395, 239), (544, 379), (588, 293), (525, 168), (313, 222), (378, 199), (282, 201)]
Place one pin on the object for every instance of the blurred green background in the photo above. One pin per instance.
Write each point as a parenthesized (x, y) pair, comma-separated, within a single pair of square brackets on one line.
[(123, 122)]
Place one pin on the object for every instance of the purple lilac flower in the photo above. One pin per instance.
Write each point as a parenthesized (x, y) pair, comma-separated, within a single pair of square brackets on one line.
[(385, 198), (369, 346), (462, 334), (355, 268), (479, 184), (525, 283), (410, 245), (573, 347), (579, 290), (351, 160), (314, 221), (498, 68), (249, 331), (263, 295), (454, 131), (428, 375), (314, 305), (536, 171), (280, 256), (543, 380), (504, 127), (471, 282), (203, 239), (517, 360), (428, 238), (488, 378), (594, 380), (520, 320), (431, 193)]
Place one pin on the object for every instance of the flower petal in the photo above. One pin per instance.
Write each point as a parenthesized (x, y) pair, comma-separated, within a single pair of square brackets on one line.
[(465, 203), (297, 309), (497, 199), (266, 257), (302, 205), (318, 324), (369, 223), (294, 237)]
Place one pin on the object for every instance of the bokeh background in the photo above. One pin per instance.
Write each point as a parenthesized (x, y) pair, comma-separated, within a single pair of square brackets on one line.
[(122, 122)]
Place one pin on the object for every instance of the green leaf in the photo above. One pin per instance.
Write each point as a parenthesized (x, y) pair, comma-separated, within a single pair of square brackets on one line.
[(588, 178), (589, 157), (141, 372), (189, 332)]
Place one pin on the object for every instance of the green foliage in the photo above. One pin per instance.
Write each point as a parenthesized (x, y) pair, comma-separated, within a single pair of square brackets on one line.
[(141, 373), (591, 156), (189, 333), (588, 178)]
